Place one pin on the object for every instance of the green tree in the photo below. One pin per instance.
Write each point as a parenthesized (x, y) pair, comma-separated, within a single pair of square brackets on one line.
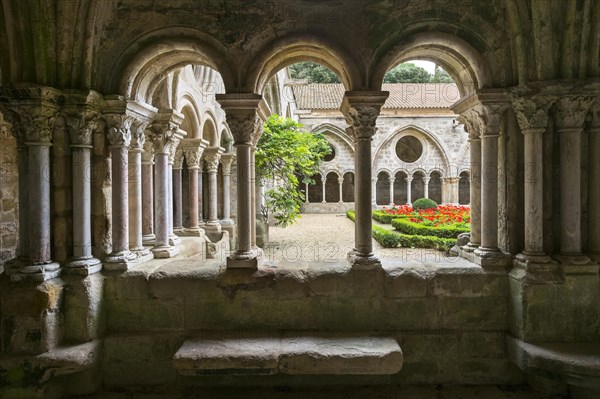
[(313, 72), (285, 152), (441, 76), (407, 73)]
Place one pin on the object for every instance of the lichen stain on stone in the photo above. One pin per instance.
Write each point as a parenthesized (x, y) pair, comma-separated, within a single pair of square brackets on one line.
[(48, 296), (232, 281)]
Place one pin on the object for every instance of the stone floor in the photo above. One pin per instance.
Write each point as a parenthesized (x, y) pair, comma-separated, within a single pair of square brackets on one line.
[(329, 237)]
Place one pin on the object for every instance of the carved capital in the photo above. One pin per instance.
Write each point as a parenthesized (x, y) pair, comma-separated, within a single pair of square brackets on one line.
[(490, 117), (531, 113), (81, 127), (148, 154), (245, 114), (119, 129), (173, 148), (571, 111), (472, 122), (361, 110), (178, 159), (138, 135), (226, 162), (164, 136), (192, 157), (212, 162), (245, 128)]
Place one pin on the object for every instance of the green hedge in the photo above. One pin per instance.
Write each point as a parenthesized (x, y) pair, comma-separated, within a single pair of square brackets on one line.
[(392, 239), (408, 227), (386, 218)]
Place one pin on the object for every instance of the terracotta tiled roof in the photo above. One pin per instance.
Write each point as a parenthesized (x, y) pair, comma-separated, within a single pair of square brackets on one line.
[(402, 95)]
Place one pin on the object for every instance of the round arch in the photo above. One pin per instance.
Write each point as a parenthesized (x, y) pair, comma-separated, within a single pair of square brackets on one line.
[(328, 128), (209, 131), (191, 122)]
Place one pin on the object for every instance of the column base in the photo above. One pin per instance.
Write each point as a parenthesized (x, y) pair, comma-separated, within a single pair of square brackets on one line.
[(121, 261), (492, 258), (149, 240), (193, 232), (246, 259), (539, 268), (226, 222), (573, 259), (595, 256), (165, 252), (212, 227), (23, 271), (471, 247), (83, 266), (174, 240), (178, 230), (363, 261)]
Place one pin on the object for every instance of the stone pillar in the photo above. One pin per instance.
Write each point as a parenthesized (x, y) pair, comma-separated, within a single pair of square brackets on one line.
[(211, 159), (148, 237), (245, 114), (23, 157), (409, 181), (361, 110), (173, 238), (226, 162), (426, 181), (570, 115), (193, 152), (533, 119), (475, 194), (164, 136), (253, 195), (81, 129), (136, 244), (450, 190), (178, 193), (201, 193), (594, 185), (323, 186), (392, 181), (306, 188), (373, 191), (341, 185)]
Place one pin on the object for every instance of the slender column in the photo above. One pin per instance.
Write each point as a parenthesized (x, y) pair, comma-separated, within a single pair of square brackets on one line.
[(306, 192), (119, 135), (341, 184), (81, 130), (148, 237), (245, 114), (192, 157), (226, 161), (409, 181), (200, 193), (173, 238), (361, 110), (212, 158), (136, 244), (475, 195), (163, 134), (323, 186), (426, 181), (594, 186), (571, 112), (23, 203), (177, 193), (373, 191), (392, 181), (253, 194)]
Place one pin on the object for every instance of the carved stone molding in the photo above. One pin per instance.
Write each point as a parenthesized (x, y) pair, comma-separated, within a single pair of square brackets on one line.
[(148, 154), (531, 113), (361, 110), (192, 157), (119, 129), (471, 120), (212, 162), (138, 135), (173, 149), (226, 162), (82, 127), (178, 159), (164, 133), (246, 129), (245, 114), (490, 117), (571, 111)]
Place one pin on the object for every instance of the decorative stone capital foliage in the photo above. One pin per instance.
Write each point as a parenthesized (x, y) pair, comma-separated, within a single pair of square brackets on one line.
[(192, 157), (163, 135), (531, 113), (361, 110), (178, 161), (571, 111), (82, 127), (119, 129), (148, 154), (246, 129), (138, 135), (490, 117), (245, 114), (212, 162), (471, 121), (173, 150), (595, 116), (226, 162)]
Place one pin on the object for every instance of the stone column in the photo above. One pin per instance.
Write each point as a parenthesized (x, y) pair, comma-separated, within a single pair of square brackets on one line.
[(173, 238), (211, 159), (426, 181), (163, 134), (475, 194), (341, 184), (226, 162), (323, 186), (570, 115), (361, 110), (178, 193), (23, 157), (306, 188), (253, 196), (136, 244), (200, 193), (192, 157), (245, 115), (373, 191), (81, 129), (594, 185), (409, 181), (533, 120), (148, 237), (392, 181), (450, 190)]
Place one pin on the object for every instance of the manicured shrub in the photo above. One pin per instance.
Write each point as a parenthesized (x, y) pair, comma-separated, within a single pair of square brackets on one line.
[(423, 204), (385, 217), (407, 227)]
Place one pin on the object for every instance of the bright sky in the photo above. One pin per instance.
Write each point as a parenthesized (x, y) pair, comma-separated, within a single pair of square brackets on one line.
[(428, 66)]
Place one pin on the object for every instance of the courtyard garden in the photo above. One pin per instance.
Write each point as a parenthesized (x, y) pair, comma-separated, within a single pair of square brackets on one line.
[(421, 225)]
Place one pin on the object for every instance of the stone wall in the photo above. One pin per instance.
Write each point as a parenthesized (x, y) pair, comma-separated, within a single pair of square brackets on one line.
[(9, 204)]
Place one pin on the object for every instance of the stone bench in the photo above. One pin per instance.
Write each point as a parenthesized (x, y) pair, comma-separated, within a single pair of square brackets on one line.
[(576, 364), (349, 355)]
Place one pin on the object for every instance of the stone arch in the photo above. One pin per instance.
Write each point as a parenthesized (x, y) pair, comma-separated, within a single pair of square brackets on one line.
[(419, 132), (209, 131), (458, 57), (226, 140), (328, 128), (191, 122), (294, 48), (153, 55)]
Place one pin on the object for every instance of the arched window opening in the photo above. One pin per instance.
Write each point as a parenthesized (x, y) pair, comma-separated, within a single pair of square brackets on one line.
[(383, 189), (435, 187), (332, 188), (400, 189), (315, 190), (417, 186), (348, 187), (464, 189)]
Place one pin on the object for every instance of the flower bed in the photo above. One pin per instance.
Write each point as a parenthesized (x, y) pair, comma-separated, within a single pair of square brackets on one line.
[(410, 226)]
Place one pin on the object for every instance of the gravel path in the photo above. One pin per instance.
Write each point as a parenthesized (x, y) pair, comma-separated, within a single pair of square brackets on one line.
[(322, 238)]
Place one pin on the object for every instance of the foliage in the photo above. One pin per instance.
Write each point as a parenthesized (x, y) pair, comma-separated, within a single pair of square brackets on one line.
[(385, 217), (424, 204), (393, 239), (441, 76), (313, 72), (410, 73), (412, 227), (285, 152)]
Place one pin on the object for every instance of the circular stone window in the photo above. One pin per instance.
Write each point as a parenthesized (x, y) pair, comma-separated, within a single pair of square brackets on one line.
[(331, 155), (409, 149)]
